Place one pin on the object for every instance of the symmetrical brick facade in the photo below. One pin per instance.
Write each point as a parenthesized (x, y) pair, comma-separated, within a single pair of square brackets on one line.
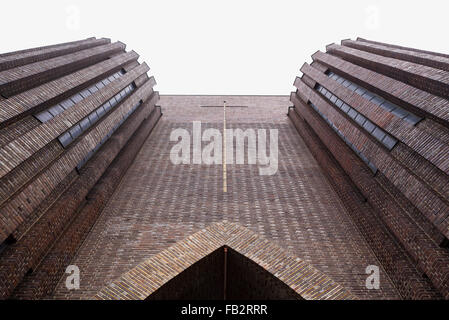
[(51, 194), (86, 179), (375, 116)]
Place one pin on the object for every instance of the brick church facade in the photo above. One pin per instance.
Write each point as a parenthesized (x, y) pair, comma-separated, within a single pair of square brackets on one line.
[(86, 180)]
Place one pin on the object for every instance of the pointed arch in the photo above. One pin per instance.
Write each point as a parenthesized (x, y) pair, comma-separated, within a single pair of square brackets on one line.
[(299, 277)]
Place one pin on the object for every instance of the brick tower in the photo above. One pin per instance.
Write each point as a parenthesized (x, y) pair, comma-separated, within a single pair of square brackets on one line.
[(376, 118), (72, 118)]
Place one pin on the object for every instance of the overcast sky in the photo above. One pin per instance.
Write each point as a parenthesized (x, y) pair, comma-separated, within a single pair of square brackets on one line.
[(225, 47)]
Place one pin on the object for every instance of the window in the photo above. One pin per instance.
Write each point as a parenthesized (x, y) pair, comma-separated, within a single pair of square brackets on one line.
[(75, 131), (53, 111), (372, 167), (376, 99), (379, 134), (106, 138)]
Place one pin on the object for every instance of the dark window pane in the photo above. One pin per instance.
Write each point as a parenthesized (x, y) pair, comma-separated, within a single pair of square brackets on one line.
[(363, 157), (378, 134), (412, 118), (67, 104), (112, 102), (377, 100), (55, 110), (389, 142), (101, 111), (85, 93), (44, 116), (85, 124), (107, 106), (387, 105), (400, 113), (372, 167), (368, 95), (369, 126), (93, 89), (360, 91), (352, 113), (93, 117), (333, 99), (65, 139), (76, 98), (75, 131), (360, 119)]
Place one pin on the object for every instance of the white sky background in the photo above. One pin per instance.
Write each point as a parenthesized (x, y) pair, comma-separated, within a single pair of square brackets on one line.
[(225, 47)]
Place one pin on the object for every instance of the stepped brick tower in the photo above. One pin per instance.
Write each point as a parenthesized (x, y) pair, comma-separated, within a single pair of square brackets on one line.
[(72, 117)]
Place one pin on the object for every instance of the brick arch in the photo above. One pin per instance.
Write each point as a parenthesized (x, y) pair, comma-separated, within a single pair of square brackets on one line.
[(145, 279)]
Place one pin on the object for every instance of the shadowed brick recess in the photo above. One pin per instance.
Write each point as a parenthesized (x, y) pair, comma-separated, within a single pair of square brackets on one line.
[(86, 179)]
